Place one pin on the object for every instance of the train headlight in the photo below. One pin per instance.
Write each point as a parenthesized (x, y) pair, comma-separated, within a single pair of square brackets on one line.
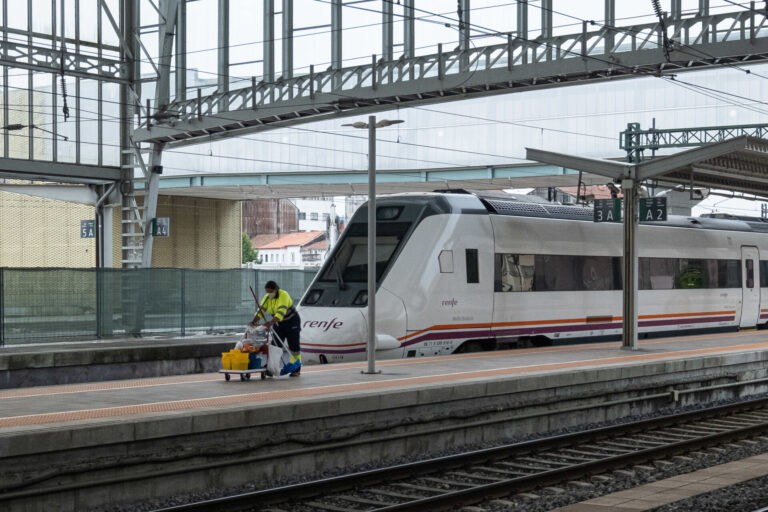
[(388, 212), (361, 299), (313, 296)]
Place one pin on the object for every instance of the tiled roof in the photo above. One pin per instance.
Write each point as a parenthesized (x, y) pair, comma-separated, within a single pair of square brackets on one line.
[(320, 245), (292, 240), (262, 240)]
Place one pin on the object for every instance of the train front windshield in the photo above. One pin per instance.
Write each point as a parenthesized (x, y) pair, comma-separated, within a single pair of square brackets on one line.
[(349, 262)]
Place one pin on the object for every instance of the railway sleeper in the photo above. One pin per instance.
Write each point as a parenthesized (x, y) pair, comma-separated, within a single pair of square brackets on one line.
[(325, 506), (394, 494), (485, 478), (416, 487), (364, 501)]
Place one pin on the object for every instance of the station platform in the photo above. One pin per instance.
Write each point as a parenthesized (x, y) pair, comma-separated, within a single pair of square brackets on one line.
[(413, 406), (94, 361)]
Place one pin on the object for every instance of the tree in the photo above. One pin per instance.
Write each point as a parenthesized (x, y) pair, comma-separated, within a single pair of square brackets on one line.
[(248, 253)]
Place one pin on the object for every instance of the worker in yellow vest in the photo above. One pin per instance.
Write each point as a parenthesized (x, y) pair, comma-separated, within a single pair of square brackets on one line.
[(285, 321)]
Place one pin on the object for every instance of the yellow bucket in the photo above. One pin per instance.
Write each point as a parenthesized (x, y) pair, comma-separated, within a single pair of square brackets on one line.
[(239, 361), (226, 361)]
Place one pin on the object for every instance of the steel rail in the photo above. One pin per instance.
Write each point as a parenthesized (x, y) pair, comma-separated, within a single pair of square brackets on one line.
[(504, 487)]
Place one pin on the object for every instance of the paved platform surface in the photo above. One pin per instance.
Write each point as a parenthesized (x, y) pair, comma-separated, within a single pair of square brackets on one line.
[(663, 492), (52, 407)]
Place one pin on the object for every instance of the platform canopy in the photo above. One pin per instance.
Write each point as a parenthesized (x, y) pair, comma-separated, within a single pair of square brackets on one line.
[(739, 165)]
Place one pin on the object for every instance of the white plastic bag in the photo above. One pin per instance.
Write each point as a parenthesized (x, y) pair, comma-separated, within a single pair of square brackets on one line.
[(275, 360)]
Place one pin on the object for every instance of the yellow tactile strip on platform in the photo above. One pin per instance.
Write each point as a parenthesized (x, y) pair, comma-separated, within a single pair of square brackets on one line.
[(663, 492), (270, 396)]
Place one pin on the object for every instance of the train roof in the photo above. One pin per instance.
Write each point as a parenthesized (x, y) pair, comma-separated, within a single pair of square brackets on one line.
[(518, 205)]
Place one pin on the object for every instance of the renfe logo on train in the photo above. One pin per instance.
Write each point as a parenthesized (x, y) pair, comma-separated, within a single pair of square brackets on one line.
[(323, 324), (452, 302)]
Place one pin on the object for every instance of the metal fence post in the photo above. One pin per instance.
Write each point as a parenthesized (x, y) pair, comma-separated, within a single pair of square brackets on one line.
[(183, 301), (99, 305), (2, 309)]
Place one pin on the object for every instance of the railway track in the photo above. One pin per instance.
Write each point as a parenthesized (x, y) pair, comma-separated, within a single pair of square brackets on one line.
[(468, 478)]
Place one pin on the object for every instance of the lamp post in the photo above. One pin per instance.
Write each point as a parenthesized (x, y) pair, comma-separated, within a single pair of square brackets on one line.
[(371, 125)]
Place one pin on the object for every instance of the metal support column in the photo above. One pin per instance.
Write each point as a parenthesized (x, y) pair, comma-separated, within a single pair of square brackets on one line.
[(676, 9), (629, 188), (181, 52), (287, 39), (546, 18), (223, 46), (610, 22), (387, 32), (169, 9), (269, 41), (522, 27), (336, 39), (2, 309), (464, 7), (704, 11), (409, 32), (371, 348)]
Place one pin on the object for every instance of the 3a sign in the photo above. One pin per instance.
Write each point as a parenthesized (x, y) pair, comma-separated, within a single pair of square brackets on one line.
[(653, 209), (161, 226), (607, 210), (87, 229)]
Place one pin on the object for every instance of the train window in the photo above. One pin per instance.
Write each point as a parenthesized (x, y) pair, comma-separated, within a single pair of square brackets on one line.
[(658, 273), (446, 262), (556, 273), (693, 274), (685, 273), (763, 274), (513, 272), (473, 272), (349, 261), (729, 274), (749, 266)]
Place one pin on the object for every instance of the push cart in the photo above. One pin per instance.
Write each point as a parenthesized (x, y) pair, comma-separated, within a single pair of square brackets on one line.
[(244, 374)]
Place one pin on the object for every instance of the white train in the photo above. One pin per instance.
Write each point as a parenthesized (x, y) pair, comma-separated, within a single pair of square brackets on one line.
[(468, 271)]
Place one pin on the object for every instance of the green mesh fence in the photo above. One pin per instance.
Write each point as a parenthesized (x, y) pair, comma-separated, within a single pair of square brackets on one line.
[(43, 305)]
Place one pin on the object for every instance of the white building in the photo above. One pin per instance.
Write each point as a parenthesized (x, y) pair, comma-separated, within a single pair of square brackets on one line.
[(294, 250), (314, 213)]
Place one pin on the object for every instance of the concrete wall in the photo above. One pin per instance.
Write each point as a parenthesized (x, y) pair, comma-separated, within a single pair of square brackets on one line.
[(205, 233), (38, 232)]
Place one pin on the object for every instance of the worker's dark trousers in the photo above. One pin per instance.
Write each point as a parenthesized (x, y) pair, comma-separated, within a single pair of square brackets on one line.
[(289, 330)]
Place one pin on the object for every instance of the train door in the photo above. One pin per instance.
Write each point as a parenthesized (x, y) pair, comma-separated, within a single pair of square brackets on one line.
[(750, 287)]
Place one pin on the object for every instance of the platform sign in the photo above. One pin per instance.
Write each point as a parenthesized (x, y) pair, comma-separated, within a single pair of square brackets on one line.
[(161, 226), (87, 229), (607, 210), (653, 209)]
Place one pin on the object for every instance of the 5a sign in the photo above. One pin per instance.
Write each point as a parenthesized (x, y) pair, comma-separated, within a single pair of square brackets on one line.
[(607, 210), (87, 229), (653, 209)]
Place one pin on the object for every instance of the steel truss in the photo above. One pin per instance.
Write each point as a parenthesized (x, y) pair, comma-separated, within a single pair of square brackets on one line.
[(518, 64), (39, 58), (634, 140)]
